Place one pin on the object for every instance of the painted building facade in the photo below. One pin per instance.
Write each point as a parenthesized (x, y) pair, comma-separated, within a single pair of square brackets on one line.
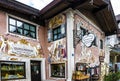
[(59, 43), (19, 54), (69, 50)]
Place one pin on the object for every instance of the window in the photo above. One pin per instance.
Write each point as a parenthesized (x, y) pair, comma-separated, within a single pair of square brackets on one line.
[(58, 70), (101, 44), (95, 41), (83, 32), (22, 28), (12, 70), (56, 33)]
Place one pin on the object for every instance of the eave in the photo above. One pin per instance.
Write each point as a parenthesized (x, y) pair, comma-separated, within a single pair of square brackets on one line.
[(57, 6), (101, 10), (107, 20), (16, 8)]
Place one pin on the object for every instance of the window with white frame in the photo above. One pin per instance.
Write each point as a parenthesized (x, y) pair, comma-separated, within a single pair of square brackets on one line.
[(19, 27)]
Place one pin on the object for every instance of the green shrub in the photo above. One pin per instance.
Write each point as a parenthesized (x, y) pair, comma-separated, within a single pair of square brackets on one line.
[(112, 77)]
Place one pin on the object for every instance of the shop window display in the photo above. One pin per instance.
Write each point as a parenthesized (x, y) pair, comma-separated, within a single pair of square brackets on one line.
[(80, 72), (58, 70), (12, 70)]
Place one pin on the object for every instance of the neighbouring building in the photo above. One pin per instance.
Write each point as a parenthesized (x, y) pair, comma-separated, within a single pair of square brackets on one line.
[(113, 46), (64, 41)]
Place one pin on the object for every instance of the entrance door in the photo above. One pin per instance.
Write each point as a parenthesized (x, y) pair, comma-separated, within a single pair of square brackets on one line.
[(35, 70)]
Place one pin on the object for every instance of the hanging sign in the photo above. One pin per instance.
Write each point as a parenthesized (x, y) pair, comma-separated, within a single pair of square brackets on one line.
[(101, 58), (88, 39)]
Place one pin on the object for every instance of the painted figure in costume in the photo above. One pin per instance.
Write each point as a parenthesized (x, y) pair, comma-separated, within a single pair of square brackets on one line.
[(4, 44)]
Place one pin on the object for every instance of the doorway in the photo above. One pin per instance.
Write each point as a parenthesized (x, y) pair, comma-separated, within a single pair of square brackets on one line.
[(35, 70)]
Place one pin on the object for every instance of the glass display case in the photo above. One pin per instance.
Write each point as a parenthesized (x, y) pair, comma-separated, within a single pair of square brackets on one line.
[(12, 70), (58, 70)]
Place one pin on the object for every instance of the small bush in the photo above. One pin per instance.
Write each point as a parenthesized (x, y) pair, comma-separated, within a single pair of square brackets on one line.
[(112, 77)]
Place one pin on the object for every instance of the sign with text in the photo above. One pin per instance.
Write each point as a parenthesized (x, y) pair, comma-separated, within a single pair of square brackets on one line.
[(88, 39), (101, 58), (22, 49)]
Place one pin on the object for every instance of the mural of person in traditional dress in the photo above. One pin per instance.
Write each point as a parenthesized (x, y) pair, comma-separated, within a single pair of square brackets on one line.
[(57, 51), (3, 44)]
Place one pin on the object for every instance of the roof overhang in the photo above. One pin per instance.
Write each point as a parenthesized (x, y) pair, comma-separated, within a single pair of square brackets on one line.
[(101, 10), (16, 8), (107, 19)]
